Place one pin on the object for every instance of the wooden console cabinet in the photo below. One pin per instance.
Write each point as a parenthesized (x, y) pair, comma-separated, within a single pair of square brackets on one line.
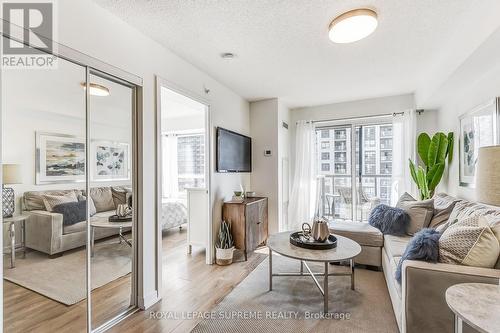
[(248, 220)]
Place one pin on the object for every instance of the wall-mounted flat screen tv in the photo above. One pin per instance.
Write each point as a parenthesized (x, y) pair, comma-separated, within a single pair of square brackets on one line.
[(234, 151)]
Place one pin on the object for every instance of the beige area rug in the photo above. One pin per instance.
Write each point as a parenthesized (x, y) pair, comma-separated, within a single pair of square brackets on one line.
[(63, 279), (366, 309)]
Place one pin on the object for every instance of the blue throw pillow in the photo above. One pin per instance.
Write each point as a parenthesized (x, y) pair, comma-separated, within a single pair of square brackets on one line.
[(72, 212), (424, 245), (389, 220)]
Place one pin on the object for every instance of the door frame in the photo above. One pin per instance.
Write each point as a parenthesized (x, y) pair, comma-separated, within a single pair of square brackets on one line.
[(100, 68), (210, 254)]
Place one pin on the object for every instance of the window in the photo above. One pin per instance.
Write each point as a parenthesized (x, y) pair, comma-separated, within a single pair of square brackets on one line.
[(369, 137), (340, 157), (370, 157), (386, 155), (340, 168), (385, 143), (370, 169), (340, 146), (386, 168), (386, 131), (371, 151), (340, 134), (191, 161)]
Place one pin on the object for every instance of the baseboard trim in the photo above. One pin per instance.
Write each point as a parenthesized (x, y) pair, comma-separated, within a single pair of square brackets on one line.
[(149, 300)]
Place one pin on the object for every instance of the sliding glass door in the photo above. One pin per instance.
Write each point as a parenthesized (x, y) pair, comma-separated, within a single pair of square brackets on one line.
[(334, 163), (359, 154)]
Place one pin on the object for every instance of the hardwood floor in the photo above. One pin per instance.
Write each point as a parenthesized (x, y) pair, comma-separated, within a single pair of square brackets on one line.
[(28, 311), (189, 285)]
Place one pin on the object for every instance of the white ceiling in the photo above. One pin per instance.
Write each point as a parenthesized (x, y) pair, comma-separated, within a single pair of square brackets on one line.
[(283, 49)]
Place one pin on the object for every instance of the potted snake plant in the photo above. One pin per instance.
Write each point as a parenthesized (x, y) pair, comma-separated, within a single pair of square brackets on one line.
[(224, 247)]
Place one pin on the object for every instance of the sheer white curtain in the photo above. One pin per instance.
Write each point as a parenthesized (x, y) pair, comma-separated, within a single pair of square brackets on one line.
[(302, 198), (170, 177), (404, 127)]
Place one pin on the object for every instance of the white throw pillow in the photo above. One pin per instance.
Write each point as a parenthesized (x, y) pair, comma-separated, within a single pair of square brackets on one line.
[(50, 201), (469, 242)]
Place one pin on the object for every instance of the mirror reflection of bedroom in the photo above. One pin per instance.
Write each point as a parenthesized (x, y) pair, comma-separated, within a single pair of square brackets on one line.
[(184, 187)]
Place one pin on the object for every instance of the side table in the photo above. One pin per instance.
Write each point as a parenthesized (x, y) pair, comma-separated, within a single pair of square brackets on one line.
[(477, 304), (11, 221)]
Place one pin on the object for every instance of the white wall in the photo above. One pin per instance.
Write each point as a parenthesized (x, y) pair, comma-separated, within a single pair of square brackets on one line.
[(283, 164), (183, 123), (367, 107), (474, 82), (264, 133), (266, 119), (92, 30)]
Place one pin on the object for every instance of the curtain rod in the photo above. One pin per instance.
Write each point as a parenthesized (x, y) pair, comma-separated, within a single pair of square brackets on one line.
[(354, 118)]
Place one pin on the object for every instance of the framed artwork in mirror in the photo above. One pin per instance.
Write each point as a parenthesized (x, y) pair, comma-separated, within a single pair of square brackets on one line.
[(111, 161), (60, 158), (478, 128)]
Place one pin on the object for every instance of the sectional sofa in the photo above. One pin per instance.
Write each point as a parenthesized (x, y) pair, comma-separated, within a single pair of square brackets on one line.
[(419, 301), (46, 232)]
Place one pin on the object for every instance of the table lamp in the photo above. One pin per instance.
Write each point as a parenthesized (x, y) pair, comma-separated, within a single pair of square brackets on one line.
[(12, 174), (488, 175)]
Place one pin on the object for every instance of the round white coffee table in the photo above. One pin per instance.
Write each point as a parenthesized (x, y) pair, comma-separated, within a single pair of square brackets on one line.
[(104, 223), (346, 249), (477, 304)]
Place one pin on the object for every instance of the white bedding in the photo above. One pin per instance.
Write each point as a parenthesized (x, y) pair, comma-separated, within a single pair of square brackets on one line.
[(173, 213)]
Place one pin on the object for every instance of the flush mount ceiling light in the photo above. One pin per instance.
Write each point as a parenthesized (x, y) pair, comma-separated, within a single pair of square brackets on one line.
[(227, 55), (353, 25), (96, 89)]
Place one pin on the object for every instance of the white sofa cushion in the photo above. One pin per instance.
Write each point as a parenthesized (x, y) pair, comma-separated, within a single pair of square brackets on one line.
[(470, 242)]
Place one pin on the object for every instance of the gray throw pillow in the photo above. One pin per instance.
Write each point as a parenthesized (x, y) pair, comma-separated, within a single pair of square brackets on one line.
[(420, 212), (92, 209)]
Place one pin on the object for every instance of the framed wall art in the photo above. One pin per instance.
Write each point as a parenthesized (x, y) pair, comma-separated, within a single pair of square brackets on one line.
[(111, 161), (60, 158), (478, 128)]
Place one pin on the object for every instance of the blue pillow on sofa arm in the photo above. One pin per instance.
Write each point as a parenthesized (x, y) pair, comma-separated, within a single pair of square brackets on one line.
[(389, 220), (424, 245)]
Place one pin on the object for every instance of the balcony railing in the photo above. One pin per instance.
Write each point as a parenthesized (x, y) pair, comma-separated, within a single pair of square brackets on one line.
[(338, 196)]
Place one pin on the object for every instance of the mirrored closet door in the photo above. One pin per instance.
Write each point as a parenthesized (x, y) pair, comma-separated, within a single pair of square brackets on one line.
[(111, 187), (69, 196), (45, 235)]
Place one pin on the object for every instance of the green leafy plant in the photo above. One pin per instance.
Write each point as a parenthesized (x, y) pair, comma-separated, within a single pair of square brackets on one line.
[(225, 239), (433, 152)]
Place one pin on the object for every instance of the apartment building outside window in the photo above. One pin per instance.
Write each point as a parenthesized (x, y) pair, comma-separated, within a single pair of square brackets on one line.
[(335, 151), (191, 160)]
